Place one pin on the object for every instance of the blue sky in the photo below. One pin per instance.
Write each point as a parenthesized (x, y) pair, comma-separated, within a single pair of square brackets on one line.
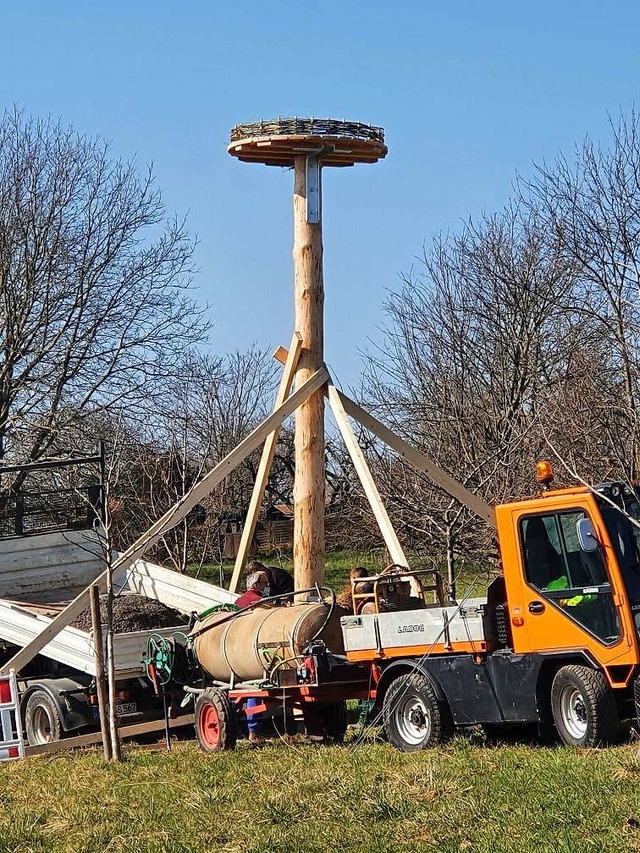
[(468, 93)]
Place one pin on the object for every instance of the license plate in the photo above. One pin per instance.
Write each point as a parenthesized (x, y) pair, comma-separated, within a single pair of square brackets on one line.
[(123, 708)]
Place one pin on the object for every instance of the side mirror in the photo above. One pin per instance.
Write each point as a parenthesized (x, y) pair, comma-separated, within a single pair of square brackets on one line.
[(586, 535)]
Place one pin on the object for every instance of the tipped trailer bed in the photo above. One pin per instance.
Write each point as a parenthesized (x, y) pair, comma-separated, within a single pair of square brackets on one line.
[(40, 574)]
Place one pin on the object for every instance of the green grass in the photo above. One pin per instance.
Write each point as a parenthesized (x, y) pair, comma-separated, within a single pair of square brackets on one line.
[(337, 563), (471, 581), (462, 797)]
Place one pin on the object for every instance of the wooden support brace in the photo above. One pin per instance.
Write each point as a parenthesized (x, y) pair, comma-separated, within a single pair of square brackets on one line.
[(101, 681), (368, 484), (268, 452), (172, 517), (134, 730), (415, 457), (420, 461)]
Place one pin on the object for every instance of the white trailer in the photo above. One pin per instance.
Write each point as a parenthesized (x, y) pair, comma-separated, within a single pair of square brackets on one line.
[(39, 575)]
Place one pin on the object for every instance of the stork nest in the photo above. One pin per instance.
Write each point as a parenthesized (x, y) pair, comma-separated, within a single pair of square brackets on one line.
[(307, 127)]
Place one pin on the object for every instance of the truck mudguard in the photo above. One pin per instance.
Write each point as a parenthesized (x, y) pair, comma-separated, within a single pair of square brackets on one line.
[(405, 666), (74, 708)]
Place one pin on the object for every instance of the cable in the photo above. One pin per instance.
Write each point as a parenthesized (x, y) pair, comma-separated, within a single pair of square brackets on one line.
[(328, 616)]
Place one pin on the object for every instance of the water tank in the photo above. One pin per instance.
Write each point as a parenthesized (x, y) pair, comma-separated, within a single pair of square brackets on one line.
[(235, 645)]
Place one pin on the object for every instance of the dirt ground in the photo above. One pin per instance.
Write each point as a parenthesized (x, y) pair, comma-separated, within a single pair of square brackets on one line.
[(133, 613)]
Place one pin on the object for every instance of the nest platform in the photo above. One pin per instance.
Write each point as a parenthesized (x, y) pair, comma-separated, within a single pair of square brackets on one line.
[(279, 141)]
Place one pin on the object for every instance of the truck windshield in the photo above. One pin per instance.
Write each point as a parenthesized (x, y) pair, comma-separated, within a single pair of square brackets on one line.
[(623, 525)]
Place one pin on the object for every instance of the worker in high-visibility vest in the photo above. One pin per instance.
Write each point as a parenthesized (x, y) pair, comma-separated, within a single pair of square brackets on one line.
[(563, 583)]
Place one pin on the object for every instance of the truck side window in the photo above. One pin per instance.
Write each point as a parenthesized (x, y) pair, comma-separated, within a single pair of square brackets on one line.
[(542, 553), (559, 569)]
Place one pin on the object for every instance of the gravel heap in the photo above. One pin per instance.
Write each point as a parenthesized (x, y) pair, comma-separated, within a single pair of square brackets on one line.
[(133, 613)]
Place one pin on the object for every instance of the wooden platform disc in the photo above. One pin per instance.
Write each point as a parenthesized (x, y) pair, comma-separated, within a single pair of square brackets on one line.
[(281, 150)]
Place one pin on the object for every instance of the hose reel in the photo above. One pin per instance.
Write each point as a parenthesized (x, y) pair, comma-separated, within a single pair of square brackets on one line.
[(169, 660)]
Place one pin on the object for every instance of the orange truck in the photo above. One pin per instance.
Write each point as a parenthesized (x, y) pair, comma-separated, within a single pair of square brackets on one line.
[(554, 642)]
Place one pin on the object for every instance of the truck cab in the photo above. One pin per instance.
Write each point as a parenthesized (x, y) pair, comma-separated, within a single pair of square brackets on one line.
[(572, 574), (554, 642)]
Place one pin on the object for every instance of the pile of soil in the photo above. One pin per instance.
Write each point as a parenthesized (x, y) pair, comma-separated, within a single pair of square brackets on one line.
[(133, 613)]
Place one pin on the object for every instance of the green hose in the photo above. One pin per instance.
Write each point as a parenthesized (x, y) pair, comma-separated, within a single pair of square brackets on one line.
[(217, 608)]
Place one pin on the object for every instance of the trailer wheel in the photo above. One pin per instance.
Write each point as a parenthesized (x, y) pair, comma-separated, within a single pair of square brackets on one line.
[(335, 721), (583, 706), (215, 721), (42, 719), (413, 716)]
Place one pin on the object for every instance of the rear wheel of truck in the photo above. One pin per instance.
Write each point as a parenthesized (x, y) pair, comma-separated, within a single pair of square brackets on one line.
[(414, 718), (42, 719), (584, 707), (215, 721)]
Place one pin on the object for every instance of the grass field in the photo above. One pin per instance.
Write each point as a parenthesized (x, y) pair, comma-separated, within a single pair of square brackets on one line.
[(338, 564), (302, 797), (470, 581)]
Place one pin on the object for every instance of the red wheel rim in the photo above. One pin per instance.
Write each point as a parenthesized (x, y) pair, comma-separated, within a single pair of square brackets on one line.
[(209, 726)]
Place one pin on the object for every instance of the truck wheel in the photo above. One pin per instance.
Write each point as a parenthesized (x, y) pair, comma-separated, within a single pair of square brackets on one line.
[(42, 719), (413, 716), (583, 706), (215, 721)]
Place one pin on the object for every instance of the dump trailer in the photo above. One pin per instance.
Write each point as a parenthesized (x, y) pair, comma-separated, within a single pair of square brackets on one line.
[(554, 642), (52, 548)]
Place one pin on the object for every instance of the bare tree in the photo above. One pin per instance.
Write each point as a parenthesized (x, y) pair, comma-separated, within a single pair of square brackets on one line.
[(592, 205), (210, 406), (472, 347), (94, 303)]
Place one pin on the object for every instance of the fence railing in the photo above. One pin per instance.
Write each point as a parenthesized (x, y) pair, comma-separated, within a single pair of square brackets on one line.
[(46, 511)]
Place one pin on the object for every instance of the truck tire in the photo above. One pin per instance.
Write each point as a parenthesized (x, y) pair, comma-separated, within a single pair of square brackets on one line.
[(413, 716), (583, 706), (42, 719), (215, 721)]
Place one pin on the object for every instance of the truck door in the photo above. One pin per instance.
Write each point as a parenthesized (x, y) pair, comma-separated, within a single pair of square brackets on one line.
[(567, 594)]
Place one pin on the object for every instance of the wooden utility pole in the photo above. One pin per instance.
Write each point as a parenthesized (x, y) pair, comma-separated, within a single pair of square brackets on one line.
[(309, 483), (308, 145)]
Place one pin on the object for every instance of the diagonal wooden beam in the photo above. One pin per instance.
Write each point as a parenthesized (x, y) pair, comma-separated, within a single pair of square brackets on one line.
[(415, 457), (268, 452), (420, 461), (368, 484), (173, 516)]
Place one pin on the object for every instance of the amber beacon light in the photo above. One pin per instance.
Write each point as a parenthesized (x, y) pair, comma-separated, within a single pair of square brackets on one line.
[(544, 474)]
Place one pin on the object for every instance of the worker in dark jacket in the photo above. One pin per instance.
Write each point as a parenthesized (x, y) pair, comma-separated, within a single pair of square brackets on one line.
[(280, 580)]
